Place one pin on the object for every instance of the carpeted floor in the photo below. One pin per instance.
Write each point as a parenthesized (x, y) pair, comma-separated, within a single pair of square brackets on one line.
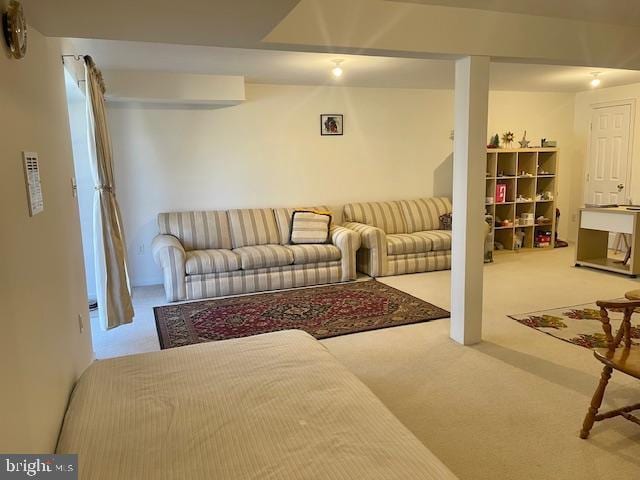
[(579, 324), (324, 312), (509, 408)]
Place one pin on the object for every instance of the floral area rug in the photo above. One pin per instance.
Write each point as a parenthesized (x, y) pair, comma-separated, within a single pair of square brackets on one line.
[(579, 324), (323, 312)]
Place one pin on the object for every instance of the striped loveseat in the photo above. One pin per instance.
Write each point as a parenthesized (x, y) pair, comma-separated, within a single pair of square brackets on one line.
[(401, 236), (215, 253)]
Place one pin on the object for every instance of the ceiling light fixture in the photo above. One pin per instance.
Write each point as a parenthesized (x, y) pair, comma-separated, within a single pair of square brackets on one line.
[(595, 82), (337, 70)]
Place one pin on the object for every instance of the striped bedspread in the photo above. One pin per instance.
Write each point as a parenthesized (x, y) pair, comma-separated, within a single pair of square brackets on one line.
[(274, 406)]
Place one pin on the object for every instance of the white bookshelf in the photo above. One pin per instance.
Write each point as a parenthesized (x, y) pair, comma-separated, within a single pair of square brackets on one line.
[(529, 173)]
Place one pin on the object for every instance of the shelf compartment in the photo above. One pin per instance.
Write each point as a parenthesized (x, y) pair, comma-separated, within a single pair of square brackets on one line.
[(511, 188), (547, 162), (526, 186), (505, 237), (492, 161), (526, 236), (527, 163), (506, 164)]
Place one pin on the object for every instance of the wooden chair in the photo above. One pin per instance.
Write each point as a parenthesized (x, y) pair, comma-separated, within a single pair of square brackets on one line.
[(625, 359)]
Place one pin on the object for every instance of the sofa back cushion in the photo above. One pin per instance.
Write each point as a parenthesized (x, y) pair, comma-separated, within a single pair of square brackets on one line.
[(424, 213), (384, 215), (283, 219), (253, 226), (197, 230)]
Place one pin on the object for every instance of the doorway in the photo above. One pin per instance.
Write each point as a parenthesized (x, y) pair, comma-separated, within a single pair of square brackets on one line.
[(609, 166)]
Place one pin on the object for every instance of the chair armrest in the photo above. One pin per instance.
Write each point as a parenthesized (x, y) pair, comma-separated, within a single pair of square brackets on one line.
[(169, 253), (372, 259), (345, 239), (348, 242), (371, 237)]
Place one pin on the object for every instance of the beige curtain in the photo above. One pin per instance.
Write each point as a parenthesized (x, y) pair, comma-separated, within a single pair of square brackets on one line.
[(112, 281)]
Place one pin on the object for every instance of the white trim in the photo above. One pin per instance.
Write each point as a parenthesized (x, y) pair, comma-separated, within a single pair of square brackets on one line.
[(632, 119)]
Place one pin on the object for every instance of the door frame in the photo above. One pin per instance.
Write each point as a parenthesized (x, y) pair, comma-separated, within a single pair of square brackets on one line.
[(632, 118)]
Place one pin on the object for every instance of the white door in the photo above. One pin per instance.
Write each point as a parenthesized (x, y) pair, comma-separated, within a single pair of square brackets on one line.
[(608, 169)]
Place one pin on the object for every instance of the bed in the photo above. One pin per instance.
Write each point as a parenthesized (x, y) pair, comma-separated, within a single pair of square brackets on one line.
[(273, 406)]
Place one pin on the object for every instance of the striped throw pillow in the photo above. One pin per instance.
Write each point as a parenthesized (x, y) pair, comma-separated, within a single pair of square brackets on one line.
[(308, 226)]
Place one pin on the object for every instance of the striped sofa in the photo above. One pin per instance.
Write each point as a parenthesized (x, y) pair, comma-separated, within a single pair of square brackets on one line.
[(216, 253), (400, 237)]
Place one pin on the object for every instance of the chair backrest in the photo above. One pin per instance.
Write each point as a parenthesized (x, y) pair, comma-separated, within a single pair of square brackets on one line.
[(253, 226), (197, 230), (424, 213), (384, 215), (624, 332)]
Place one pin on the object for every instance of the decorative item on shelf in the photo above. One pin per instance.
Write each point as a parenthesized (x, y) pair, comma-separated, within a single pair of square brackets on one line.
[(522, 199), (524, 173), (494, 142), (548, 143), (542, 220), (488, 200), (544, 196), (501, 192), (542, 239), (331, 124), (524, 143), (506, 223), (518, 240), (516, 222), (527, 219), (507, 139)]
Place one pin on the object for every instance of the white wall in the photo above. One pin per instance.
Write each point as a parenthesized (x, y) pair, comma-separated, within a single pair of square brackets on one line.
[(42, 291), (269, 152)]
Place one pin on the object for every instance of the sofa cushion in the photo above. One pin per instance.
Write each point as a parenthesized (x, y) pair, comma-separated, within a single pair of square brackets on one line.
[(283, 219), (303, 254), (255, 226), (197, 230), (308, 228), (419, 242), (424, 213), (211, 261), (262, 256), (384, 215)]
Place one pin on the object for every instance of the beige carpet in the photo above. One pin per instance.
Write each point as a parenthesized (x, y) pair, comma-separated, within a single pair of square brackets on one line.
[(509, 408)]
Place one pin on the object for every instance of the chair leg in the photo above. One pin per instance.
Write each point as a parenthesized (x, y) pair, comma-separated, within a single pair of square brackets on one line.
[(596, 401)]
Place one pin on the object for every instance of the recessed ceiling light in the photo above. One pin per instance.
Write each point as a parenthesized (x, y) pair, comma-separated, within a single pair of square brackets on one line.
[(337, 70), (595, 81)]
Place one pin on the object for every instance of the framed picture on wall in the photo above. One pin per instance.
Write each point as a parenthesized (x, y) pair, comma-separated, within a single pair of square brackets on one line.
[(331, 124)]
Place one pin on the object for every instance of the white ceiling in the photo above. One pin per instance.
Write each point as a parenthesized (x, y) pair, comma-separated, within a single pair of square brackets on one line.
[(188, 22), (302, 68), (616, 12)]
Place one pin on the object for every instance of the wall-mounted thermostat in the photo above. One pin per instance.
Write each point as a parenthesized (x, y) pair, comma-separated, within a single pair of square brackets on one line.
[(32, 178)]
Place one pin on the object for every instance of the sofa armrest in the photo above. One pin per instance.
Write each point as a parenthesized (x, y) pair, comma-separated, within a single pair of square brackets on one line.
[(348, 241), (372, 258), (169, 253)]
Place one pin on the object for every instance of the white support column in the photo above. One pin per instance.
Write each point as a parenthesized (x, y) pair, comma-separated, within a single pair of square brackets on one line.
[(469, 167)]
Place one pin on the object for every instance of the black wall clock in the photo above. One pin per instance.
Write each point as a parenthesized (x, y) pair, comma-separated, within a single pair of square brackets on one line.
[(15, 29)]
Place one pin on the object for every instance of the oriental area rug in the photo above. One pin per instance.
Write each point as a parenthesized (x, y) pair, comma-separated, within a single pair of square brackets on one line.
[(579, 324), (323, 312)]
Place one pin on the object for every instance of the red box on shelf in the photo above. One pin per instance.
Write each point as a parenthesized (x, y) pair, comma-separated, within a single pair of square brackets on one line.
[(501, 192)]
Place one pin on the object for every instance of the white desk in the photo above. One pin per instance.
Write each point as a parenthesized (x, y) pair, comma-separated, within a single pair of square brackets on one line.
[(593, 238)]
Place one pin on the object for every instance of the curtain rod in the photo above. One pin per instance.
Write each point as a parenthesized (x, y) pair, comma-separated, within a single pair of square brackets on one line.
[(77, 58)]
